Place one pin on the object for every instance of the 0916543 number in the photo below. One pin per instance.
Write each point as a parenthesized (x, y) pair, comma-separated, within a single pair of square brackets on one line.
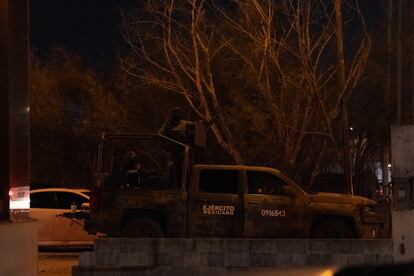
[(273, 213)]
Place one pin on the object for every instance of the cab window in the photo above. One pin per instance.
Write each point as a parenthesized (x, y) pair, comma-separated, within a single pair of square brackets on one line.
[(265, 183), (219, 181)]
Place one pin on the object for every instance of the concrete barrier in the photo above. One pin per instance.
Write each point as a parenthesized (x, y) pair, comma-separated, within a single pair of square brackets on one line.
[(207, 256), (18, 248)]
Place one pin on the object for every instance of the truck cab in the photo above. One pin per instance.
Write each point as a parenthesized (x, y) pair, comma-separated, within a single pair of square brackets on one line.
[(244, 201)]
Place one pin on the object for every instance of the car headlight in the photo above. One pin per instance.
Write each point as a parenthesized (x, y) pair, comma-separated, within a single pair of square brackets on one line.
[(370, 214)]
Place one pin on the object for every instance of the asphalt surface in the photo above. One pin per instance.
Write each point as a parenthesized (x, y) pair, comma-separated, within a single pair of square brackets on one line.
[(58, 260), (53, 263)]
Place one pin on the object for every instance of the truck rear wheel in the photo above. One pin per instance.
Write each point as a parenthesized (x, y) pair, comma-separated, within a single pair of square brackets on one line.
[(142, 228), (331, 229)]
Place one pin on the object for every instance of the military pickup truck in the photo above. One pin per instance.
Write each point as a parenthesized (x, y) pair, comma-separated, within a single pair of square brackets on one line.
[(185, 200)]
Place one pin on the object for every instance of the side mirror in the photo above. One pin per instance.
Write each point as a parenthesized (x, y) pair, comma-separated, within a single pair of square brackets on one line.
[(85, 206), (287, 190)]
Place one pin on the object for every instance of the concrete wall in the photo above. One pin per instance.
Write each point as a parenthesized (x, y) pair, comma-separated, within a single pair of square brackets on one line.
[(403, 223), (402, 148), (207, 256), (18, 247)]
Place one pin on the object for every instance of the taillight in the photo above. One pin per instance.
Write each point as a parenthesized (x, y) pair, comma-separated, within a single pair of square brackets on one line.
[(94, 201)]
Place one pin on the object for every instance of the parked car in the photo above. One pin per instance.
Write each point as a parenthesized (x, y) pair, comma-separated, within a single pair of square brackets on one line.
[(48, 205)]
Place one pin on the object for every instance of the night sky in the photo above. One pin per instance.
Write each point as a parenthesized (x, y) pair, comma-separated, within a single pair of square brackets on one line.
[(90, 28)]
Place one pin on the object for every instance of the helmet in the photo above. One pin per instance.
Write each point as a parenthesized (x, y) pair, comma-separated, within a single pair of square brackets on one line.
[(131, 155)]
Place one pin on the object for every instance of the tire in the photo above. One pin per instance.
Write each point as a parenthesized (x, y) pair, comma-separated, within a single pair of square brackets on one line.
[(142, 228), (331, 229)]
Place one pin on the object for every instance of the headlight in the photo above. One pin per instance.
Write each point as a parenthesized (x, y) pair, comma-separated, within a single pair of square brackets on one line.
[(370, 214)]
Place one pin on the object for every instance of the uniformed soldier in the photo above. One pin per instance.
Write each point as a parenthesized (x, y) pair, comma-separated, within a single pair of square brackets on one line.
[(133, 169), (182, 130), (176, 128)]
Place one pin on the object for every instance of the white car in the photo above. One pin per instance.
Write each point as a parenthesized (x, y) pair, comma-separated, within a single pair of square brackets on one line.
[(47, 206)]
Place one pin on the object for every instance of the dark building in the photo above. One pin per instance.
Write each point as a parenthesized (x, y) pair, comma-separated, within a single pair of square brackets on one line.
[(14, 104)]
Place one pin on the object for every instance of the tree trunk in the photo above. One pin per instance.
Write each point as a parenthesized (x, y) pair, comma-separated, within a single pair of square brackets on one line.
[(342, 76)]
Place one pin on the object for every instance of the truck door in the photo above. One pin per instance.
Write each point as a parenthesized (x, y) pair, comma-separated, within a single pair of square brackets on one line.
[(215, 207), (270, 211)]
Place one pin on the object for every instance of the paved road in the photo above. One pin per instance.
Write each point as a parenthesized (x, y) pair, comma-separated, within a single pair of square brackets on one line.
[(56, 263)]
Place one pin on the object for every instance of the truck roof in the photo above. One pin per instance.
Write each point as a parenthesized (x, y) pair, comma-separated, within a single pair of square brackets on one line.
[(141, 136), (238, 167)]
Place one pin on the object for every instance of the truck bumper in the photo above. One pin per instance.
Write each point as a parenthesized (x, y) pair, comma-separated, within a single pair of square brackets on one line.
[(368, 231)]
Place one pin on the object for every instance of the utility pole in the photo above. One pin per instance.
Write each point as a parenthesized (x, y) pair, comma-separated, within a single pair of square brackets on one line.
[(386, 153), (4, 108), (412, 60), (342, 75), (399, 62)]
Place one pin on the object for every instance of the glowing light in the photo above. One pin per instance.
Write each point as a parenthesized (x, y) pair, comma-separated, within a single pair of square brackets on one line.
[(328, 272), (19, 198), (389, 166), (351, 128), (20, 204)]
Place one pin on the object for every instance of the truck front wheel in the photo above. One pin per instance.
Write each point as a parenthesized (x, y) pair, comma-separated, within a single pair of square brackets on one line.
[(142, 228), (331, 229)]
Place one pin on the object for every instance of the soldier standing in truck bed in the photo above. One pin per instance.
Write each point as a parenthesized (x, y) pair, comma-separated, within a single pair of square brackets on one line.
[(176, 128), (187, 132), (180, 130)]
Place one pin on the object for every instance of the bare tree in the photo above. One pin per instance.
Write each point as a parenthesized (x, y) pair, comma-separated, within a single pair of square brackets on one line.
[(291, 59), (182, 62), (282, 51)]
